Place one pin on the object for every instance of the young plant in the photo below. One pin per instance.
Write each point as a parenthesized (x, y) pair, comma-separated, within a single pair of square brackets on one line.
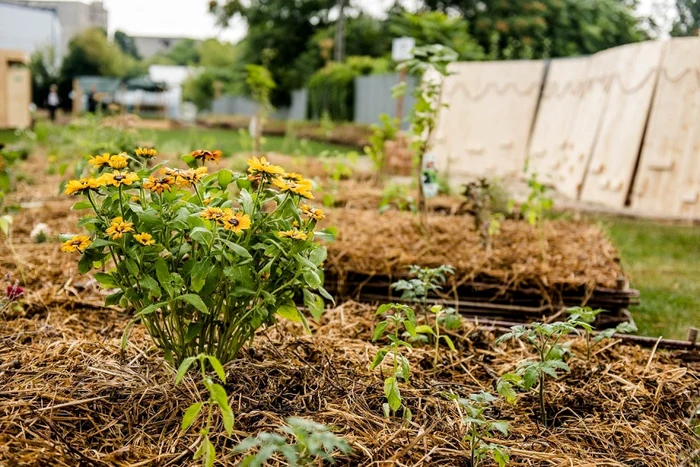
[(480, 427), (427, 59), (586, 316), (404, 318), (481, 201), (260, 85), (536, 206), (425, 280), (398, 196), (376, 148), (217, 397), (543, 339), (202, 267), (450, 319), (312, 443)]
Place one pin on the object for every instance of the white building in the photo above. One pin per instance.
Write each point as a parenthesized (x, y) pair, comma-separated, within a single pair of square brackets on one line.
[(28, 29), (75, 16), (174, 77)]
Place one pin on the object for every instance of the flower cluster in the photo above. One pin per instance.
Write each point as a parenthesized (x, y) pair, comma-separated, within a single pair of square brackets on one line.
[(180, 241)]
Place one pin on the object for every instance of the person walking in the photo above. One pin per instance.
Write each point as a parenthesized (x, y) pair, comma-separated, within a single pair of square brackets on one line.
[(53, 101)]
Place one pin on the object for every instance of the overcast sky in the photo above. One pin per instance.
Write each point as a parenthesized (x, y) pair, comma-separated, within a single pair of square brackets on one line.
[(191, 18)]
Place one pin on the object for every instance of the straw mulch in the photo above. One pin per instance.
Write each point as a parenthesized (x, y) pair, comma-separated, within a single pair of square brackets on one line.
[(573, 254), (68, 398)]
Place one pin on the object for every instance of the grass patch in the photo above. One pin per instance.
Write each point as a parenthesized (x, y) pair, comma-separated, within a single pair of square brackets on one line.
[(7, 136), (663, 262), (230, 141)]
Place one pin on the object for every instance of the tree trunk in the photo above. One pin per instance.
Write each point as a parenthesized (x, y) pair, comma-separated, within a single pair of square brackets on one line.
[(339, 42)]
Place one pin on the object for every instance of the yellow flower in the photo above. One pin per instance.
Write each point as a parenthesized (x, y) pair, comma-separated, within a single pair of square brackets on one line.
[(262, 166), (119, 228), (187, 177), (118, 178), (292, 176), (99, 161), (159, 184), (236, 223), (118, 161), (206, 155), (145, 239), (146, 152), (294, 233), (214, 214), (78, 243), (312, 212), (301, 187), (76, 187)]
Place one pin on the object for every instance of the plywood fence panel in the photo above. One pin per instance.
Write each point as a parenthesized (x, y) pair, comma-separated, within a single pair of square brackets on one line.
[(556, 133), (485, 129), (630, 84), (668, 178)]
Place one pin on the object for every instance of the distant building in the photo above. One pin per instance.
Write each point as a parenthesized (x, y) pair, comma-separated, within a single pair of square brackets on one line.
[(147, 47), (75, 16), (28, 29)]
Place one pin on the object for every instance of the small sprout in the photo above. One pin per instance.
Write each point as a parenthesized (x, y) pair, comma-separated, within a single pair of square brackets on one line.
[(312, 442), (587, 316), (543, 339), (217, 397), (40, 233), (450, 318), (479, 426), (403, 318), (425, 281)]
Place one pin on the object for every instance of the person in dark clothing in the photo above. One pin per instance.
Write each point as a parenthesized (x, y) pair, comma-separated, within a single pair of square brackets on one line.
[(92, 100), (52, 102)]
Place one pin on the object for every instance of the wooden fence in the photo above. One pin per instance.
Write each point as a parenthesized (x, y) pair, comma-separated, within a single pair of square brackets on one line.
[(618, 128)]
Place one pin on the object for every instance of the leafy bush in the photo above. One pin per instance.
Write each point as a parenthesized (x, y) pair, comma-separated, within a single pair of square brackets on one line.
[(332, 88), (202, 268)]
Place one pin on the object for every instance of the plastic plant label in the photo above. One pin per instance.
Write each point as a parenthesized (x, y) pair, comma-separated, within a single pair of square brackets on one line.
[(429, 176)]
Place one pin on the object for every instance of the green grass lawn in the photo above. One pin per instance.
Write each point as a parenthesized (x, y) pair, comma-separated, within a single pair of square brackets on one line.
[(230, 141), (663, 262), (7, 136)]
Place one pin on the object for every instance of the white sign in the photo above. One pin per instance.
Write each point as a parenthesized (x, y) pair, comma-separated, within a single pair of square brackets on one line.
[(429, 176), (402, 48)]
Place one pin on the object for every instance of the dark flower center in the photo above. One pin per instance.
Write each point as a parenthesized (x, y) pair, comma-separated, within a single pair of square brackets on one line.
[(234, 222), (119, 178)]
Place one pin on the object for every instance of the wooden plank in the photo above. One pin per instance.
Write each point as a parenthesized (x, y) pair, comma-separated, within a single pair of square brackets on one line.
[(562, 139), (668, 178), (630, 81), (485, 130)]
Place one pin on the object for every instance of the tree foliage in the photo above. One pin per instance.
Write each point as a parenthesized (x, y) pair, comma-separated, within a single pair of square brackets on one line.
[(546, 28), (126, 44), (688, 21)]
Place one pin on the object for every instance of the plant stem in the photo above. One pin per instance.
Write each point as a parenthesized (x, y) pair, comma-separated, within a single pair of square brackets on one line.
[(542, 408)]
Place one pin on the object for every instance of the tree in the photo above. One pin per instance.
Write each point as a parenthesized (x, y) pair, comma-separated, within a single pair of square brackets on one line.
[(435, 27), (126, 44), (688, 21), (44, 68), (546, 28), (282, 28)]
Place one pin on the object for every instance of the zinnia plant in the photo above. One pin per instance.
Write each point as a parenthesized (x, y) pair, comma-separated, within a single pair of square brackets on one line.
[(204, 260)]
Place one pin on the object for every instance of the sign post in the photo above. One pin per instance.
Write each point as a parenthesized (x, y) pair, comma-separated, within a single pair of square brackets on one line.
[(401, 50)]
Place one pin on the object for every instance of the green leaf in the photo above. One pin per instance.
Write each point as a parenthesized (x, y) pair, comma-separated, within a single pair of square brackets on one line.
[(405, 368), (201, 235), (218, 393), (424, 329), (150, 309), (289, 311), (392, 393), (190, 415), (239, 250), (195, 301), (113, 299), (500, 455), (218, 367), (318, 255), (132, 267), (81, 205), (245, 199), (184, 366), (312, 279), (225, 177), (530, 376), (500, 426), (314, 303), (449, 342), (378, 359), (106, 280), (379, 330)]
